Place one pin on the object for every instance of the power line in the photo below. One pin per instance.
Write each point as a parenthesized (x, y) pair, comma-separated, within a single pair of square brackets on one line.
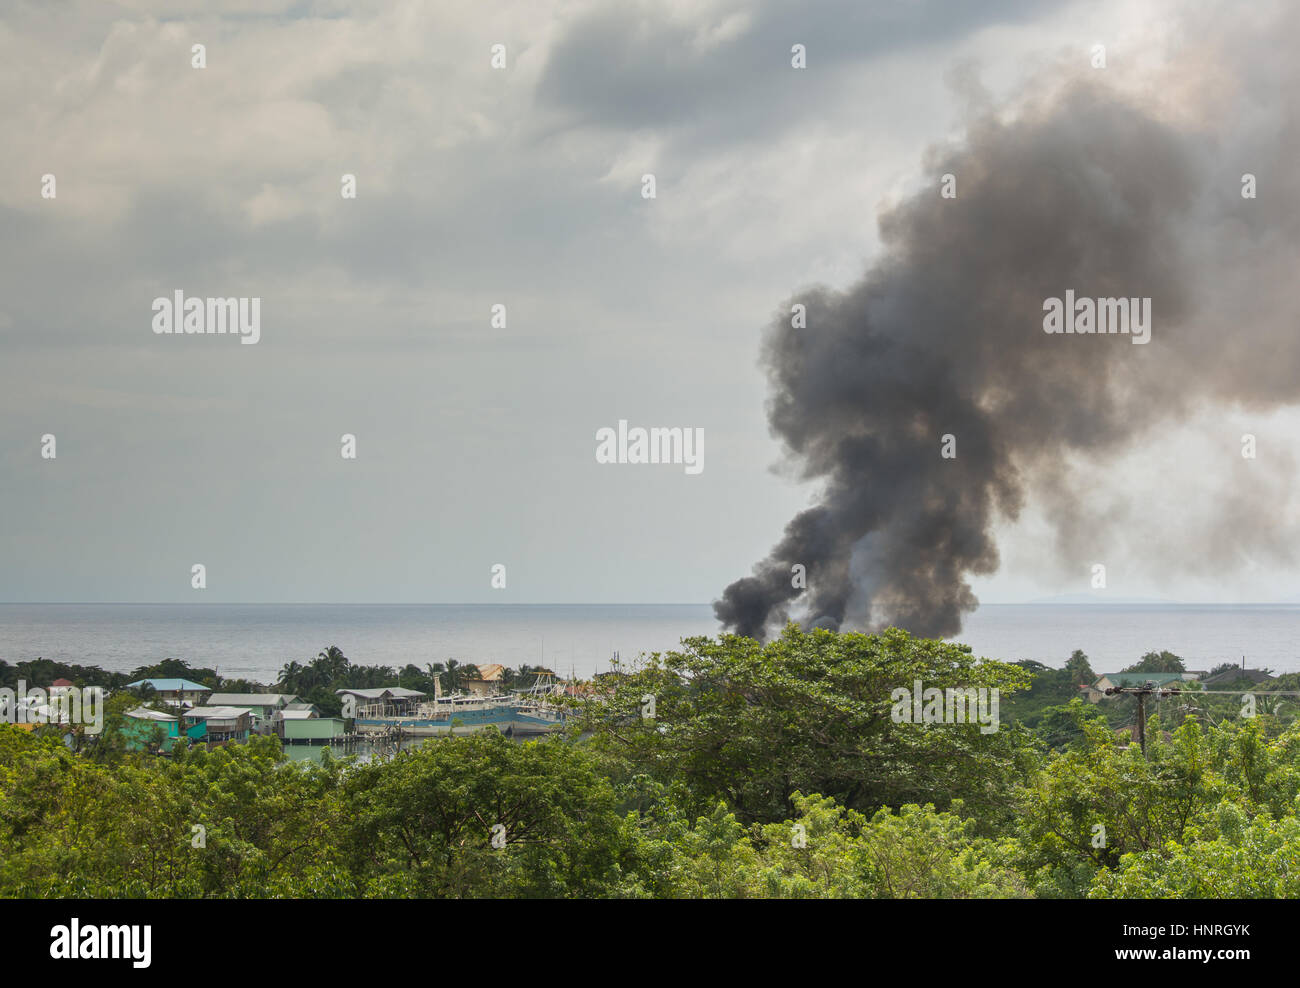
[(1151, 689), (1170, 691)]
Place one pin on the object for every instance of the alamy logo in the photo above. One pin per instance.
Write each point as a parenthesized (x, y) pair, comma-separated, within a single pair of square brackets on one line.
[(179, 314), (637, 445), (70, 705), (951, 706), (76, 942), (1101, 315)]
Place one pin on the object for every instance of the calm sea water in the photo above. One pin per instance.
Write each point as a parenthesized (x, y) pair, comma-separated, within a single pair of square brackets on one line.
[(253, 641)]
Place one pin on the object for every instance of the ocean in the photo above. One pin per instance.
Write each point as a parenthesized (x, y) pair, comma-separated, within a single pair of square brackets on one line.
[(253, 641)]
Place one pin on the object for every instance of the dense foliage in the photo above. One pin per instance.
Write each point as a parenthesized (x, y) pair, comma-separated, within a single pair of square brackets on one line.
[(725, 769)]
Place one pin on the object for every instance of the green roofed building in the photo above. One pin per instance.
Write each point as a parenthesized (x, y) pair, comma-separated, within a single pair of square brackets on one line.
[(177, 692), (1128, 680)]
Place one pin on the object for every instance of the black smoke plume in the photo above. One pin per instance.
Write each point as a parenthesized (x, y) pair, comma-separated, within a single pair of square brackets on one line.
[(1083, 189)]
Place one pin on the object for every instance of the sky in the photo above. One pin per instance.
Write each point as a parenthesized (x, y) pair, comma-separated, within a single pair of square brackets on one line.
[(478, 186)]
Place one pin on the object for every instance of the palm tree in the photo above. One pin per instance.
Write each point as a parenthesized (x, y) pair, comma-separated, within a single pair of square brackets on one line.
[(453, 675), (332, 662), (290, 675)]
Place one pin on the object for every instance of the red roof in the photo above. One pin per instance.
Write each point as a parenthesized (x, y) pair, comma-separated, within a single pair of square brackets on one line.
[(60, 682)]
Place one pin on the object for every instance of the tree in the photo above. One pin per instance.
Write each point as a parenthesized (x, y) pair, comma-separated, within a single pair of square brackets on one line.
[(425, 823), (1247, 859), (291, 677), (331, 664), (1079, 669), (753, 724), (177, 669), (1097, 801), (1163, 661), (451, 679), (1062, 725)]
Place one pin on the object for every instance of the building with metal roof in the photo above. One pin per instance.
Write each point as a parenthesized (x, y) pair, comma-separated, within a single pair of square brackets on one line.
[(222, 723), (171, 685), (177, 692), (382, 693), (287, 714), (382, 701), (261, 705), (269, 701)]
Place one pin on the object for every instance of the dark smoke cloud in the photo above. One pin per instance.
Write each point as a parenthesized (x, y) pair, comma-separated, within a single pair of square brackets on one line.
[(1084, 189)]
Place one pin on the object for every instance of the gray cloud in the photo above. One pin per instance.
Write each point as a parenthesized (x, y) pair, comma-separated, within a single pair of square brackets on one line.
[(475, 187), (634, 65)]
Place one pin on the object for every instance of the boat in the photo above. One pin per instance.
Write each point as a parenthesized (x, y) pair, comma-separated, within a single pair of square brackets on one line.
[(522, 713)]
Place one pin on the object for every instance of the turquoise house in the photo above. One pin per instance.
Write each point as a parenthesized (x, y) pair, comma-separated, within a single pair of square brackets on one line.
[(142, 724)]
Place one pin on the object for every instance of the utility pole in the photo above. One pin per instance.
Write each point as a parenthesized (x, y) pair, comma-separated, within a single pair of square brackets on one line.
[(1149, 688), (1142, 722)]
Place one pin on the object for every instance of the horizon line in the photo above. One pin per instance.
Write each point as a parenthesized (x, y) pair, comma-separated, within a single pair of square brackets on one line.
[(1038, 602)]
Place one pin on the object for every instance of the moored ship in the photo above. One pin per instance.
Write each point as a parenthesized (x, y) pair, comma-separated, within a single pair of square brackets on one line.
[(388, 710)]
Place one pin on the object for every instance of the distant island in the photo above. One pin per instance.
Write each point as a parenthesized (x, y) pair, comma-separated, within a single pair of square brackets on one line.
[(1100, 598)]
